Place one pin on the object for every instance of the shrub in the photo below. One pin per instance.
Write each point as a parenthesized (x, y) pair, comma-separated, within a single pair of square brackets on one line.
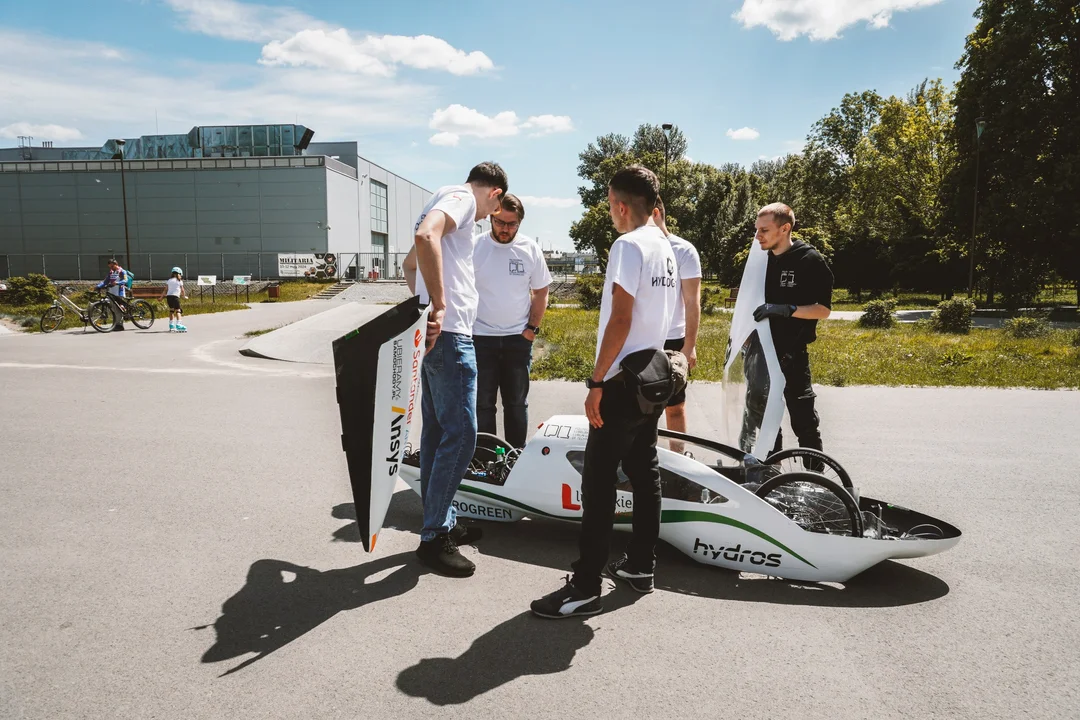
[(710, 300), (878, 314), (953, 316), (30, 290), (590, 291), (1027, 327)]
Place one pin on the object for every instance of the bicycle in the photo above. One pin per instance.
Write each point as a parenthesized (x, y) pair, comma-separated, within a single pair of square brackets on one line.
[(55, 313), (110, 307)]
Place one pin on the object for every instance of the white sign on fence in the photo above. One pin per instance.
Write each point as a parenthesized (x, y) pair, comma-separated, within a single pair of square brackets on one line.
[(241, 279), (207, 280), (295, 264)]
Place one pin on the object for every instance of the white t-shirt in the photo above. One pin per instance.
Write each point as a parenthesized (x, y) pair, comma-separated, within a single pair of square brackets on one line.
[(689, 263), (643, 264), (459, 285), (506, 275), (175, 285)]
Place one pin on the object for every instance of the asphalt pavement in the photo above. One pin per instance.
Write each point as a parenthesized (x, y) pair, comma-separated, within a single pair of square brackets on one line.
[(178, 542)]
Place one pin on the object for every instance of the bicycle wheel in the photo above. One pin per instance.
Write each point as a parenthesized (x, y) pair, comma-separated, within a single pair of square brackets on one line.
[(814, 502), (52, 318), (101, 315), (809, 460), (142, 314)]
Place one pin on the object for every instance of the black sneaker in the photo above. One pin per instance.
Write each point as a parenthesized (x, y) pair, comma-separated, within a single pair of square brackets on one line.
[(465, 534), (441, 555), (566, 602), (621, 569)]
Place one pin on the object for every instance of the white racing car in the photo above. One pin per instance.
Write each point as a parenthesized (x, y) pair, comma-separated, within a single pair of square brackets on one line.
[(794, 515)]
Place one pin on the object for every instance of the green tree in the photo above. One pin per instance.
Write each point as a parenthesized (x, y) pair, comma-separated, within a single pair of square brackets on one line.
[(1021, 72)]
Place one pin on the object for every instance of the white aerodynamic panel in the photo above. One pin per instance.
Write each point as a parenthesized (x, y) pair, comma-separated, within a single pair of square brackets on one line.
[(378, 392), (753, 388)]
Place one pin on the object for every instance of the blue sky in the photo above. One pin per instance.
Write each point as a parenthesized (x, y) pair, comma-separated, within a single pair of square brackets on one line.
[(430, 88)]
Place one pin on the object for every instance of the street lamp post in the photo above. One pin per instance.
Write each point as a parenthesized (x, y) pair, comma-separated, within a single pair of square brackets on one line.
[(123, 192), (980, 126), (667, 150)]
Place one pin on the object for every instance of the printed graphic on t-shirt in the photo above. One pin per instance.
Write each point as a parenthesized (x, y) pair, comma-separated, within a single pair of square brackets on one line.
[(517, 267), (668, 281), (787, 278)]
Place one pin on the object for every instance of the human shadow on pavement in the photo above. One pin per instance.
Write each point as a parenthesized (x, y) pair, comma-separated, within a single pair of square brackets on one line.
[(523, 645), (551, 543), (282, 601)]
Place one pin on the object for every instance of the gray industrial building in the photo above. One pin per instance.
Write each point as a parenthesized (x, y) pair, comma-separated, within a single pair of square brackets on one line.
[(222, 201)]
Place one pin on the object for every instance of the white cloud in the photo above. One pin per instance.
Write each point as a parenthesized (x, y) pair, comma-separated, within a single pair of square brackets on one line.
[(233, 20), (548, 124), (745, 133), (457, 121), (56, 133), (296, 39), (76, 85), (821, 19), (531, 201), (372, 55), (444, 139)]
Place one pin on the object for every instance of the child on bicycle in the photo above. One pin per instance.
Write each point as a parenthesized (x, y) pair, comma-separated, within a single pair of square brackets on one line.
[(174, 288)]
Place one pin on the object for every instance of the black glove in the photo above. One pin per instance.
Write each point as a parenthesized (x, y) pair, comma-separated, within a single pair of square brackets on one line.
[(773, 310)]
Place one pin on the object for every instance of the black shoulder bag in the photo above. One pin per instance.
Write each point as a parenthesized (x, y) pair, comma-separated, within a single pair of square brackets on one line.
[(654, 376)]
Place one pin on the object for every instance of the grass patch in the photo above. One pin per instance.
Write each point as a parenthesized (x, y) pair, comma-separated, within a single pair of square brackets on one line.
[(257, 333), (846, 354)]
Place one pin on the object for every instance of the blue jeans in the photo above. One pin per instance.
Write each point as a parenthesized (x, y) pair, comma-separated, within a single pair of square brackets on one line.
[(448, 437), (502, 365)]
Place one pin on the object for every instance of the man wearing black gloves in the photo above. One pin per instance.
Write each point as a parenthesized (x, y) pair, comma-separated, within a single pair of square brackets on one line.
[(798, 293)]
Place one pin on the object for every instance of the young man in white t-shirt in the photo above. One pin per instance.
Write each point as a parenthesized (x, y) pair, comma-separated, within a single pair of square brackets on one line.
[(684, 325), (443, 253), (635, 314), (512, 280)]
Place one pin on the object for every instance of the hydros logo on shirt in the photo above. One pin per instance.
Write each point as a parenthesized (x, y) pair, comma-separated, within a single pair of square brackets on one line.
[(787, 278), (668, 281), (517, 267)]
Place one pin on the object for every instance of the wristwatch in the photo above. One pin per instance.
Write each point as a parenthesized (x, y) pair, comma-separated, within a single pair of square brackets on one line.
[(534, 328), (592, 384)]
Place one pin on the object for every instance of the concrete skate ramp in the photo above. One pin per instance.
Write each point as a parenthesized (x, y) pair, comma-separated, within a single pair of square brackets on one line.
[(310, 340)]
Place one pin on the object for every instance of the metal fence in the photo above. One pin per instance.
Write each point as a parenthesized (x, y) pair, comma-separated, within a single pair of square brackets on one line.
[(157, 266)]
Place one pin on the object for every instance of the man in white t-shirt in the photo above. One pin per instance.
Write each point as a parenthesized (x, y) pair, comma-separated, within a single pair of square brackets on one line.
[(443, 255), (512, 280), (635, 315), (684, 326)]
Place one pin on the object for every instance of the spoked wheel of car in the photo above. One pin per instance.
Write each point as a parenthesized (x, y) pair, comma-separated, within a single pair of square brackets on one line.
[(101, 315), (808, 460), (814, 502), (142, 314), (52, 318)]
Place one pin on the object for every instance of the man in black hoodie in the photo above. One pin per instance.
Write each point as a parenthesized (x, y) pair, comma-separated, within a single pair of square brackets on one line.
[(798, 293)]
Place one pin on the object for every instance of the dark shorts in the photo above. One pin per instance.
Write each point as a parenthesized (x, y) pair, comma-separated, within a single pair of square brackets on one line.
[(174, 301), (680, 397)]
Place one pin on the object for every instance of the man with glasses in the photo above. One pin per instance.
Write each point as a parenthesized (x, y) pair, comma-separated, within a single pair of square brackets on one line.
[(443, 255), (512, 281)]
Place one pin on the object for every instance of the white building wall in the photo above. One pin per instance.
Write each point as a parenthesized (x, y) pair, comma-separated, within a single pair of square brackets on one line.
[(343, 215)]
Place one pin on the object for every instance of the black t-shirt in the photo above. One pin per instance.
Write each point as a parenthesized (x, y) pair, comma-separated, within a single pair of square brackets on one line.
[(799, 276)]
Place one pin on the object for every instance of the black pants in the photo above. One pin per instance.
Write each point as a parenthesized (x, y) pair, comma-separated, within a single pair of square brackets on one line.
[(798, 396), (628, 437), (502, 366)]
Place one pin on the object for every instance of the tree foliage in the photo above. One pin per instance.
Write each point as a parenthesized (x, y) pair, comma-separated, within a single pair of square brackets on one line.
[(884, 187)]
